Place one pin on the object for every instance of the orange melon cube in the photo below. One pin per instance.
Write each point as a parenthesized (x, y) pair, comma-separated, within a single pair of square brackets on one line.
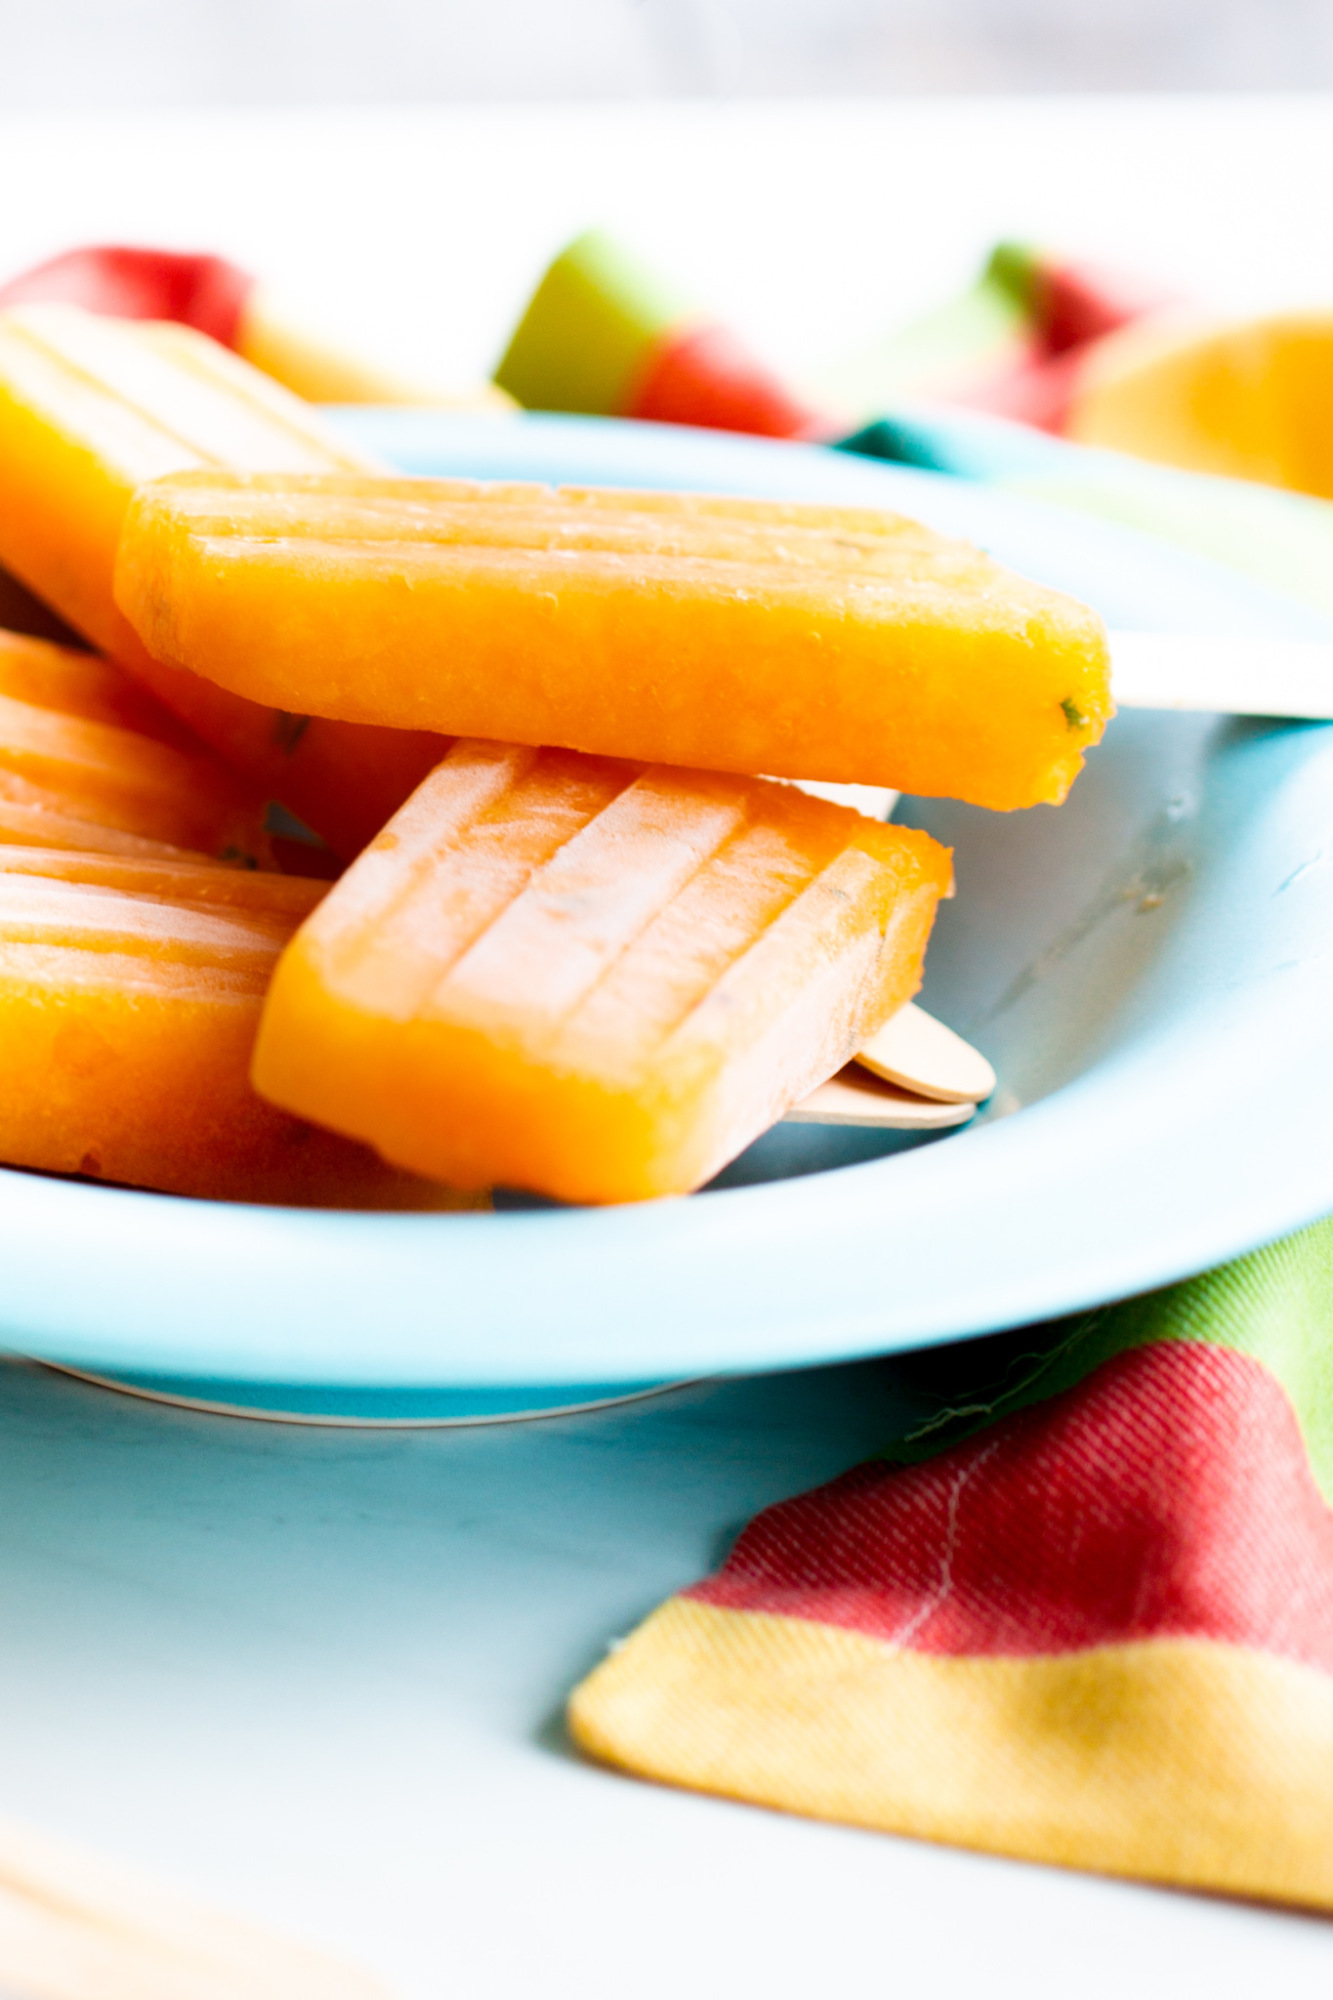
[(90, 408), (594, 979), (130, 994), (1244, 398), (809, 642)]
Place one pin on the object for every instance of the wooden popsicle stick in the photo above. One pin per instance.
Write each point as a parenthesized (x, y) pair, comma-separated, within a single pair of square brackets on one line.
[(854, 1097), (76, 1927), (920, 1054), (875, 801), (1287, 678)]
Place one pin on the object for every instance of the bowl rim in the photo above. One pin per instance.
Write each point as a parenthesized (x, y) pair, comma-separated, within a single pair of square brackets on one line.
[(782, 1275)]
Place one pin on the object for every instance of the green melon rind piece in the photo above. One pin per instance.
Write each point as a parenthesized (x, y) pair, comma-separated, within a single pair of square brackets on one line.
[(586, 336)]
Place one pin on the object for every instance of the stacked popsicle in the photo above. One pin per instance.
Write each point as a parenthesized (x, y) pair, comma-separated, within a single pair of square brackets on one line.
[(138, 935), (590, 954), (92, 407)]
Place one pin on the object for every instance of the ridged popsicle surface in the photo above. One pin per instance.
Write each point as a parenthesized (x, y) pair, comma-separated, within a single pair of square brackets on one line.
[(809, 642), (592, 978), (128, 1013), (92, 407), (79, 738), (133, 967)]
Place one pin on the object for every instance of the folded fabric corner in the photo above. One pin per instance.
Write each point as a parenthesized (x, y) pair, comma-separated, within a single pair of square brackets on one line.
[(1096, 1632)]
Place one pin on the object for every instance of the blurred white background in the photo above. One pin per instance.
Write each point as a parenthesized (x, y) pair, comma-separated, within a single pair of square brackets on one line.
[(78, 54), (815, 170)]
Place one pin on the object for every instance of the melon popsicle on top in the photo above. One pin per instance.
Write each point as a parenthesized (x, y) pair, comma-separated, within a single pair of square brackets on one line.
[(90, 408), (594, 979), (821, 643)]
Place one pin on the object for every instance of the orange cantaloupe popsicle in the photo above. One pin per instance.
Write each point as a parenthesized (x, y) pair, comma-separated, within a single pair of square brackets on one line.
[(739, 635), (42, 819), (74, 681), (126, 1029), (261, 895), (593, 979), (90, 408), (77, 734)]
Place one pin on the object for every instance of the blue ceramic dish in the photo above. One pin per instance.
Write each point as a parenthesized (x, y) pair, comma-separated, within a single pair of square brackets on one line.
[(1149, 968)]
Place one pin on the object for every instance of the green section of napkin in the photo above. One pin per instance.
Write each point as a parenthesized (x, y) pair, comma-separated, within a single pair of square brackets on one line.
[(1275, 1305)]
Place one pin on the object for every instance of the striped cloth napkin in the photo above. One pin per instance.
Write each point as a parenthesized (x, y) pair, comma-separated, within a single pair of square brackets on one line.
[(1083, 1615)]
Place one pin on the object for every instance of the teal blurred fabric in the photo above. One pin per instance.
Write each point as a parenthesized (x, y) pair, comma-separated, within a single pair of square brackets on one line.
[(1281, 539)]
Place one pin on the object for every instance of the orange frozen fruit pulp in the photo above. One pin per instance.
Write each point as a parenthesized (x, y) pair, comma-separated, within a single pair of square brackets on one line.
[(133, 969), (130, 994), (593, 979), (739, 635), (80, 740), (90, 408), (172, 876)]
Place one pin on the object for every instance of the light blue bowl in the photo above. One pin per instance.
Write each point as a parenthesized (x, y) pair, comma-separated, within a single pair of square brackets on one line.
[(1149, 968)]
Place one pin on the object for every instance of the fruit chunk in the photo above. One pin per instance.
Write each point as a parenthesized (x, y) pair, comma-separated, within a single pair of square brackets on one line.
[(603, 333), (126, 1027), (91, 407), (593, 979), (811, 642), (224, 301), (1247, 399)]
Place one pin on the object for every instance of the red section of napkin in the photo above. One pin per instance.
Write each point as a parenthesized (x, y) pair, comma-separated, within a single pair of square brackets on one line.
[(1170, 1495)]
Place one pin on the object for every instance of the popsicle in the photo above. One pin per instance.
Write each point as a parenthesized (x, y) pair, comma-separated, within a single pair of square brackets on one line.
[(828, 643), (43, 819), (130, 994), (595, 979), (174, 876), (89, 408), (81, 741)]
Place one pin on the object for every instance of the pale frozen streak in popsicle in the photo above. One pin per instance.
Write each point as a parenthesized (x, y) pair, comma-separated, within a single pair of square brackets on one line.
[(170, 876), (591, 978)]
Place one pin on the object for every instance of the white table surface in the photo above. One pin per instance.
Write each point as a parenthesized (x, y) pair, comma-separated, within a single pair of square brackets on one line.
[(317, 1675)]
